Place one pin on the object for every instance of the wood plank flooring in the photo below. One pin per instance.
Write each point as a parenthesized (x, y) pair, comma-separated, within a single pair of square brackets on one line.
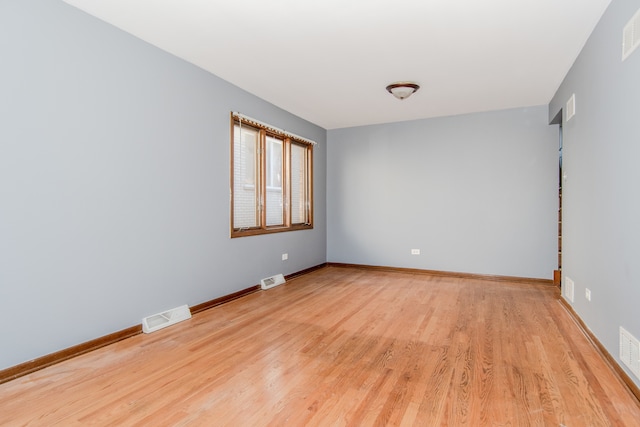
[(343, 347)]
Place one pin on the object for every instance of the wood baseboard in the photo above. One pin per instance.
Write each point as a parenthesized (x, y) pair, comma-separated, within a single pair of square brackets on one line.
[(68, 353), (223, 299), (613, 364), (557, 279), (62, 355), (305, 271), (511, 279)]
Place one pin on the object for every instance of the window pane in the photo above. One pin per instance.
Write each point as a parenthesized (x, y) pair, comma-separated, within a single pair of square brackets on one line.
[(271, 174), (244, 177), (274, 181), (298, 187), (274, 162)]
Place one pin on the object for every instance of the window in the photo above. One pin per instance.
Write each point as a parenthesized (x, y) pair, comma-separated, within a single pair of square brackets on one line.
[(271, 185)]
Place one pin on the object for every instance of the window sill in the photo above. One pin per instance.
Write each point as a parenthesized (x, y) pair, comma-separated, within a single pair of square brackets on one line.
[(269, 230)]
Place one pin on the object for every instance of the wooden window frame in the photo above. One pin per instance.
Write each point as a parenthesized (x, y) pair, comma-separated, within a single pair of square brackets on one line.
[(261, 178)]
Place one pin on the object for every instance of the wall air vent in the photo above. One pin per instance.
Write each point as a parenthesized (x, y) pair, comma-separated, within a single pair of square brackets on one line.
[(631, 36), (630, 351), (571, 107), (166, 318), (272, 281), (568, 289)]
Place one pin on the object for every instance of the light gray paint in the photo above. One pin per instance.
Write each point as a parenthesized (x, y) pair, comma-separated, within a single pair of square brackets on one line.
[(475, 193), (601, 206), (114, 183)]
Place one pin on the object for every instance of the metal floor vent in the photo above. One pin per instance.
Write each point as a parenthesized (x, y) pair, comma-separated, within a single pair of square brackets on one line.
[(631, 36), (166, 318), (630, 351), (272, 281)]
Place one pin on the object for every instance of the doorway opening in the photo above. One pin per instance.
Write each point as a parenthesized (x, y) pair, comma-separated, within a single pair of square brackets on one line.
[(557, 274)]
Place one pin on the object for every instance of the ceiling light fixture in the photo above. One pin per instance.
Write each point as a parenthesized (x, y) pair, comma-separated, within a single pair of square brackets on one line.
[(403, 90)]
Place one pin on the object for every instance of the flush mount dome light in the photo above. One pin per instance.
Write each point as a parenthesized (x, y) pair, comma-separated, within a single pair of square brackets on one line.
[(403, 90)]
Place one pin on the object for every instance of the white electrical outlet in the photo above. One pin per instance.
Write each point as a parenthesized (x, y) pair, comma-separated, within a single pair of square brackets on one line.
[(587, 294), (415, 251), (285, 257)]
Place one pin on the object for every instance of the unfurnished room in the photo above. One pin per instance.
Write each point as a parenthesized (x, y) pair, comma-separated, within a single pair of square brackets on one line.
[(327, 213)]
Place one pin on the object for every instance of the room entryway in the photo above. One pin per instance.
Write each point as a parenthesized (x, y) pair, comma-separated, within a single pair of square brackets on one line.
[(557, 275)]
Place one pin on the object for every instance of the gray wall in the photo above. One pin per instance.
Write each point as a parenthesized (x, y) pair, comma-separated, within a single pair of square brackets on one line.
[(114, 183), (601, 204), (475, 193)]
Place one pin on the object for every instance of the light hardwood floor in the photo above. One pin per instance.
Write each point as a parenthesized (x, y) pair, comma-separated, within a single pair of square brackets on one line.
[(343, 346)]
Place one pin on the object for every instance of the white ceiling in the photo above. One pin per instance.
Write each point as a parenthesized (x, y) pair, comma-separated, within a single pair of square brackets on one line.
[(329, 61)]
